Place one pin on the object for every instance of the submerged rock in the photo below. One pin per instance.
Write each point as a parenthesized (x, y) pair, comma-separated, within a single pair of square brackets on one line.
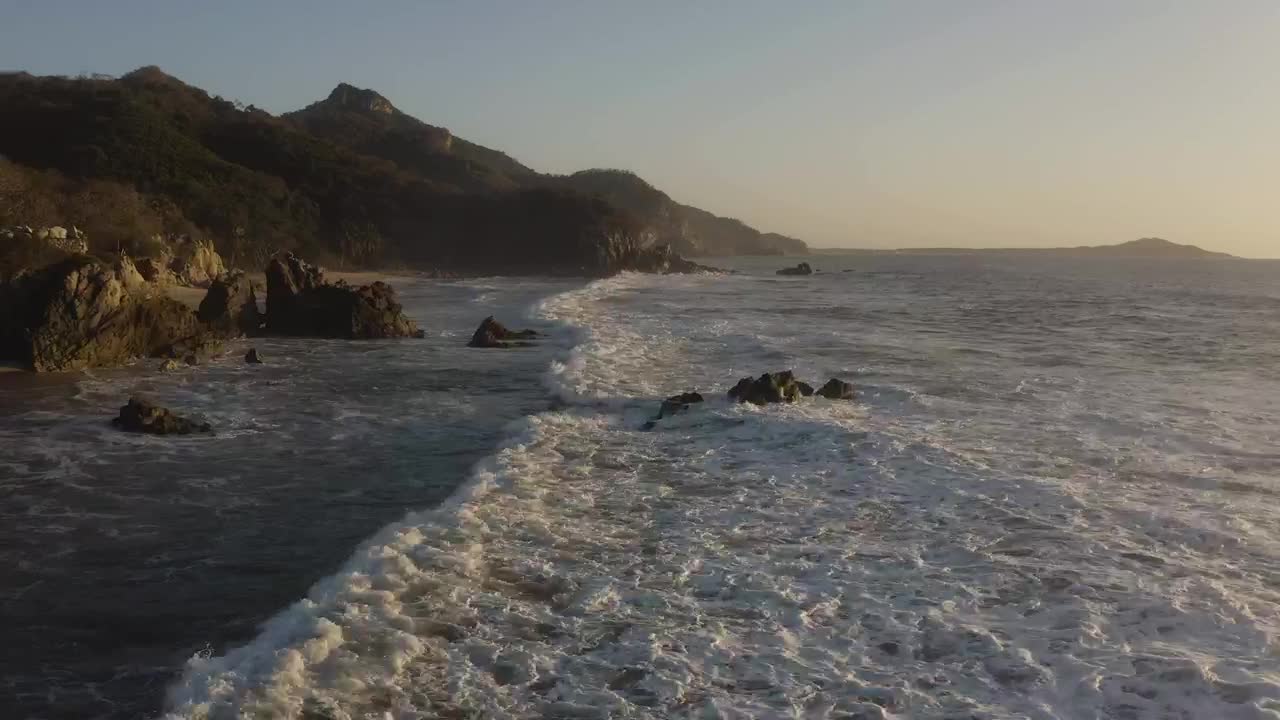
[(230, 308), (300, 302), (837, 389), (769, 388), (673, 405), (801, 269), (493, 334), (79, 313), (145, 417)]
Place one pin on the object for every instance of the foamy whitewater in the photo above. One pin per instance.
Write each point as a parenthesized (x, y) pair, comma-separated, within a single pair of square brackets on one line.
[(1055, 497)]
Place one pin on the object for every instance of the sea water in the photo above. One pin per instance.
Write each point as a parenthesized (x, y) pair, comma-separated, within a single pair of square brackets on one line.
[(1054, 497)]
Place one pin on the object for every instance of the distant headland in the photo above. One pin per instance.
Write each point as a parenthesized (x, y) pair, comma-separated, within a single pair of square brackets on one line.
[(1149, 247)]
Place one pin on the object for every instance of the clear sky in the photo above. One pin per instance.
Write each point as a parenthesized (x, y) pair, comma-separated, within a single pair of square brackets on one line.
[(845, 123)]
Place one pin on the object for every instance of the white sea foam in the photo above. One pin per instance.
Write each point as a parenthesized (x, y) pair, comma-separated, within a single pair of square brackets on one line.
[(823, 559)]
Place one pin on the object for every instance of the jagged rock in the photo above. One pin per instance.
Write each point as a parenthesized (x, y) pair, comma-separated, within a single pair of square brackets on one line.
[(78, 313), (801, 269), (806, 389), (768, 388), (300, 302), (144, 417), (132, 280), (195, 262), (493, 334), (230, 308), (170, 365), (836, 389), (673, 405), (252, 357)]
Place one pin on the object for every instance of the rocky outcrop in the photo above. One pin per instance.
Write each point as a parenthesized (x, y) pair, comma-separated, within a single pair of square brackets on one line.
[(784, 387), (769, 388), (230, 308), (836, 389), (493, 334), (142, 416), (801, 269), (252, 357), (79, 313), (300, 302)]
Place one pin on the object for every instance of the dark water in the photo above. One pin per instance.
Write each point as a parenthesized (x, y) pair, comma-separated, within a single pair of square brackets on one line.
[(122, 556)]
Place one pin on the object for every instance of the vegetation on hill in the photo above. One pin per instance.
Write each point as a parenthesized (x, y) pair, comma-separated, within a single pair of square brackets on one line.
[(347, 181)]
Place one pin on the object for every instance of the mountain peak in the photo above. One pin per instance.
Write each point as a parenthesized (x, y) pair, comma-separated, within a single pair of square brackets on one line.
[(354, 98)]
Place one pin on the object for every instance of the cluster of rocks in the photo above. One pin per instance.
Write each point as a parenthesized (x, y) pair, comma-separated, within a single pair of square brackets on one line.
[(776, 387), (301, 302), (81, 312), (493, 334), (802, 269), (56, 236), (142, 416)]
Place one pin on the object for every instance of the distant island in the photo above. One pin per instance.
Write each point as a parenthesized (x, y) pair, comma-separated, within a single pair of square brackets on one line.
[(1151, 247)]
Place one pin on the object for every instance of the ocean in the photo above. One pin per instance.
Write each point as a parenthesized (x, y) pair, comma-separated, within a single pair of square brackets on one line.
[(1054, 497)]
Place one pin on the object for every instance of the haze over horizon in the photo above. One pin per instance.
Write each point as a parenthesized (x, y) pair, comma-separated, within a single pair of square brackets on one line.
[(847, 124)]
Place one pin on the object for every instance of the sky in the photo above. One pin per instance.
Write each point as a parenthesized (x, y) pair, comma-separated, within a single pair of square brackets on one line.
[(900, 123)]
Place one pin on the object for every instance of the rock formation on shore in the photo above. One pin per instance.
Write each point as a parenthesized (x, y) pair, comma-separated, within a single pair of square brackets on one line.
[(493, 334), (301, 302), (81, 313), (230, 308)]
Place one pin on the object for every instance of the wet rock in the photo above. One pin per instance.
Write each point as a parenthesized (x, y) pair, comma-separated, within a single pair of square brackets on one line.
[(79, 313), (673, 405), (194, 350), (801, 269), (170, 365), (300, 302), (806, 390), (768, 388), (252, 358), (493, 334), (836, 389), (230, 308), (144, 417)]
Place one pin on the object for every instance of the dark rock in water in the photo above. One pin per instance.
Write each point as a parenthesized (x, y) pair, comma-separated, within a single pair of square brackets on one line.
[(677, 403), (673, 405), (230, 308), (252, 358), (837, 390), (493, 334), (80, 313), (805, 388), (300, 302), (144, 417), (193, 350), (768, 388), (801, 269)]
